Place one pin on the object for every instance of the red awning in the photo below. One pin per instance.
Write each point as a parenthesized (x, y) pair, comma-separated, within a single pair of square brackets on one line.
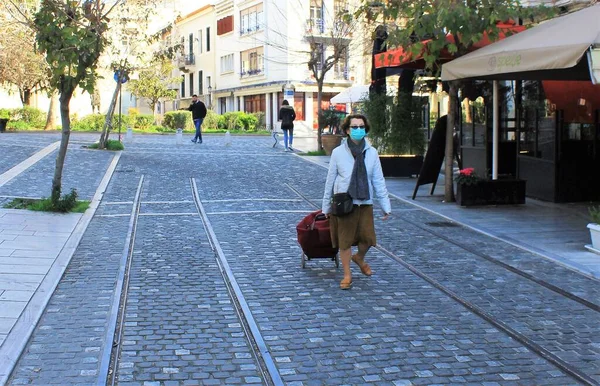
[(404, 59)]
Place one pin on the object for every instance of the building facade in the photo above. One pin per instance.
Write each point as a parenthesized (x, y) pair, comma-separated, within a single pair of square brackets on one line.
[(254, 49)]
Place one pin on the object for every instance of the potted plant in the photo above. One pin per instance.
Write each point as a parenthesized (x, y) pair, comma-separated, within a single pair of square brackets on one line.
[(594, 228), (473, 190), (333, 120), (4, 118), (397, 133)]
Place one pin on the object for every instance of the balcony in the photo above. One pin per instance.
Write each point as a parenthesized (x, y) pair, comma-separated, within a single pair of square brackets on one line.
[(252, 72), (184, 61), (315, 26)]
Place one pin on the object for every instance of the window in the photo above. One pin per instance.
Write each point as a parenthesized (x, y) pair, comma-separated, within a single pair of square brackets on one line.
[(252, 62), (183, 87), (207, 39), (208, 81), (199, 41), (316, 15), (200, 85), (191, 83), (251, 19), (227, 63), (341, 67), (191, 44), (255, 103)]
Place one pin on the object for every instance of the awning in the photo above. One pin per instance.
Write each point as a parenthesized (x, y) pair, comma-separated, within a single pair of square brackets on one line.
[(551, 50), (405, 59)]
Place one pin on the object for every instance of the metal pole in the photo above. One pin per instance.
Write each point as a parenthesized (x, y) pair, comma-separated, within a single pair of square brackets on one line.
[(120, 85), (495, 133)]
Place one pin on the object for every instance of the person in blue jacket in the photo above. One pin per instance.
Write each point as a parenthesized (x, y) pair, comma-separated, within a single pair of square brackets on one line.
[(354, 168)]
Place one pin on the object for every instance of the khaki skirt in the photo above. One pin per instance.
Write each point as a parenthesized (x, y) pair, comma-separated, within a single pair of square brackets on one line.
[(351, 229)]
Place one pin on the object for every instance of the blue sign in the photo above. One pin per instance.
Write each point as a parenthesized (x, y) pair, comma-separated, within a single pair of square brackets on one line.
[(124, 77)]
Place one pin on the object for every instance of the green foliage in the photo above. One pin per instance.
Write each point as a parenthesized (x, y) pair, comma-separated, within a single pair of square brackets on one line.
[(261, 120), (30, 115), (71, 35), (19, 126), (331, 119), (92, 122), (315, 153), (154, 83), (229, 121), (67, 203), (111, 144), (211, 121), (248, 122), (142, 122), (238, 120), (595, 214), (178, 120), (431, 21), (396, 126), (4, 114)]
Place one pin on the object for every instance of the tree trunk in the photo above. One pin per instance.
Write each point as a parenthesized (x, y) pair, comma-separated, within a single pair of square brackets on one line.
[(449, 160), (50, 119), (109, 117), (25, 95), (65, 98), (319, 112)]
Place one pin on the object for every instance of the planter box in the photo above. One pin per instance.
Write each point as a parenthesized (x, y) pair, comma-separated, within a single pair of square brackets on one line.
[(330, 142), (401, 165), (595, 236), (491, 192), (3, 123)]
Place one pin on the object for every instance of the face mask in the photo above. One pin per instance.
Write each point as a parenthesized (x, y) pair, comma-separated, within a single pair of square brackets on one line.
[(358, 133)]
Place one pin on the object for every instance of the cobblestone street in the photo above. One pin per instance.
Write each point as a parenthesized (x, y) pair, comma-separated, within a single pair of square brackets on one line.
[(202, 241)]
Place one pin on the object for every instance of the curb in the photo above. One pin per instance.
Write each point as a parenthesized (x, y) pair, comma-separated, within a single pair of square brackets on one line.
[(17, 339)]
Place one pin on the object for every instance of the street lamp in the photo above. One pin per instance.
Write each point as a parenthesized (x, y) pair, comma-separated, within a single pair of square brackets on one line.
[(209, 96)]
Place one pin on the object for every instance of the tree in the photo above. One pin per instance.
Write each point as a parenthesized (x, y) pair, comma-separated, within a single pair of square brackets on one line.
[(72, 36), (20, 65), (421, 28), (154, 82), (327, 49), (132, 48)]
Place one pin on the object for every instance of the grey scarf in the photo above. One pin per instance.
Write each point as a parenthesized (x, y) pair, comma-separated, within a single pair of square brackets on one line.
[(359, 182)]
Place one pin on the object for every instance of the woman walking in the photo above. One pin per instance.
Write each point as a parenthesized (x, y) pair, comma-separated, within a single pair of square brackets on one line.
[(287, 116), (354, 168)]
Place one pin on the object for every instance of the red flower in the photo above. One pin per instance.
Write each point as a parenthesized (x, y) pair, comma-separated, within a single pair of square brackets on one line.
[(467, 172)]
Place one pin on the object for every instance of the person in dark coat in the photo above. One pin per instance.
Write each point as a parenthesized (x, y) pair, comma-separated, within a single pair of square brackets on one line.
[(287, 116), (198, 110)]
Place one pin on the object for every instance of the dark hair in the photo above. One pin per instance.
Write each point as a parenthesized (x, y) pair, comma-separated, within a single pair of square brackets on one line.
[(195, 96), (285, 102), (346, 124)]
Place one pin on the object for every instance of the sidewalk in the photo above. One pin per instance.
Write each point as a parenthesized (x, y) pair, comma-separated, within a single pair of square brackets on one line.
[(554, 231)]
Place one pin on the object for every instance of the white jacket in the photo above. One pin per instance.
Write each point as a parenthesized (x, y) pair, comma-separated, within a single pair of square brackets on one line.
[(341, 165)]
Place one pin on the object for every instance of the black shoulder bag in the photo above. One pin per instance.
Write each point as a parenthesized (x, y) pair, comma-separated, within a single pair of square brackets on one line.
[(341, 204)]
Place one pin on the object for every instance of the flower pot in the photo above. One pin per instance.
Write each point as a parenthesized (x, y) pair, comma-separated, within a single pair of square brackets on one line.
[(401, 165), (491, 192), (330, 142), (595, 236)]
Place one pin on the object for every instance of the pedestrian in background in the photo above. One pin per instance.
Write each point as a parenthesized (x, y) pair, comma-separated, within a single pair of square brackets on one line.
[(354, 168), (287, 116), (198, 110)]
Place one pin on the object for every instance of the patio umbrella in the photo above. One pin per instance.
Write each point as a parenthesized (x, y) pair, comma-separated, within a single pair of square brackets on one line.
[(352, 95), (555, 49)]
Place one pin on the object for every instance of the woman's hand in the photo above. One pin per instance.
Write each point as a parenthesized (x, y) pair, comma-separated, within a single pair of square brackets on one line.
[(385, 216)]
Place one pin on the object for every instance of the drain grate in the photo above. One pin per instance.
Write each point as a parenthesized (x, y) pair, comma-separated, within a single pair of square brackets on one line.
[(441, 224)]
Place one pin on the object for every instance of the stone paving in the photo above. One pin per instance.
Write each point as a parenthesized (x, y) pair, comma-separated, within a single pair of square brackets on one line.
[(180, 324)]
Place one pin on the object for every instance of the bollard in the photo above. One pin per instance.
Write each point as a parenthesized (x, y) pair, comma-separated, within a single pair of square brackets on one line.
[(179, 136), (227, 138), (129, 135)]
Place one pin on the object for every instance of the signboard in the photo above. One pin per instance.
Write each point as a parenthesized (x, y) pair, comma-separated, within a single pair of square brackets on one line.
[(594, 64)]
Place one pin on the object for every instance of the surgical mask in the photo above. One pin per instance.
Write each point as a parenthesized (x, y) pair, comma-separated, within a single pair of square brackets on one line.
[(357, 132)]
